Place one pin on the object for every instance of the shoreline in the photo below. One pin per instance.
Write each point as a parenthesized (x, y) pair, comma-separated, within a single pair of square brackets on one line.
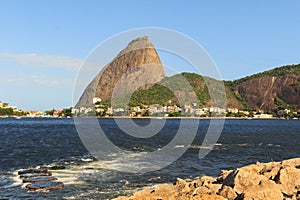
[(158, 118), (260, 181)]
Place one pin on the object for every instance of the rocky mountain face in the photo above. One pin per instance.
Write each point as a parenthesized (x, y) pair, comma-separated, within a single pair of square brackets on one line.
[(269, 89), (136, 66), (138, 69)]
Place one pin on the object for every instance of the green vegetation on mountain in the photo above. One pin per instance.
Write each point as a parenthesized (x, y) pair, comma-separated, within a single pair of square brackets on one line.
[(259, 91), (279, 71), (184, 86), (271, 90)]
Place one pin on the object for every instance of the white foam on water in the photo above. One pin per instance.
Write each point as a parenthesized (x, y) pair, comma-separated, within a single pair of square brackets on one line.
[(87, 159), (15, 179), (243, 145)]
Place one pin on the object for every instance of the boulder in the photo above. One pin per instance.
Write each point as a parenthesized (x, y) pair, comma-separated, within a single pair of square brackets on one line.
[(247, 177), (182, 186), (228, 192), (260, 181), (207, 197), (289, 179), (265, 190), (271, 170), (294, 162), (223, 175)]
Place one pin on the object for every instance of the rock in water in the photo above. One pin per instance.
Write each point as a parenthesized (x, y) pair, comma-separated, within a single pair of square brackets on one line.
[(31, 171), (44, 185), (58, 167), (22, 176), (39, 179), (138, 62)]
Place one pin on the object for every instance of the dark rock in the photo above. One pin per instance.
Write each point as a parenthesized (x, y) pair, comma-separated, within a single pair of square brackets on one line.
[(31, 171), (22, 176), (39, 179), (228, 192), (44, 185), (58, 167)]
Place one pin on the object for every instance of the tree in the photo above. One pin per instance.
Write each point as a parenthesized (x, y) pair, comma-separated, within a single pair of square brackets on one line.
[(49, 112), (6, 111)]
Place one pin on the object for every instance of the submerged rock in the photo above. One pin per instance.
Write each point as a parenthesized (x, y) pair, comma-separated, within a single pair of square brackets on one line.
[(260, 181), (22, 176), (31, 171), (44, 185), (39, 179), (58, 167)]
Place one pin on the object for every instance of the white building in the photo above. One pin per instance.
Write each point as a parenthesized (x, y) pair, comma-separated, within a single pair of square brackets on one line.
[(96, 100)]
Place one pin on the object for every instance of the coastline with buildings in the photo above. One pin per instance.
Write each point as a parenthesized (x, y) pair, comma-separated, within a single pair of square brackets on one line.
[(102, 109), (174, 111), (7, 110)]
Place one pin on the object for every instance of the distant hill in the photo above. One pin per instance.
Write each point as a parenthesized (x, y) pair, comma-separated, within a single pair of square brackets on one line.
[(275, 89), (270, 90), (159, 94)]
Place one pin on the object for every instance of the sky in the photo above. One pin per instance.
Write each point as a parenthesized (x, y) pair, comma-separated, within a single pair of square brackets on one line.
[(44, 43)]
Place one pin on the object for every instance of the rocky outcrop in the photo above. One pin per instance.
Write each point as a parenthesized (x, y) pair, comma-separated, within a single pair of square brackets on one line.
[(40, 178), (261, 181), (260, 92), (137, 63)]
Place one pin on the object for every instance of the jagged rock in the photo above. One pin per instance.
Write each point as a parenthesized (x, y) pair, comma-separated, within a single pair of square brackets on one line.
[(261, 181), (202, 190), (182, 186), (266, 189), (289, 179), (207, 185), (207, 197), (44, 185), (228, 178), (223, 175), (295, 162), (139, 61), (228, 192), (207, 181), (260, 92), (247, 177), (271, 170)]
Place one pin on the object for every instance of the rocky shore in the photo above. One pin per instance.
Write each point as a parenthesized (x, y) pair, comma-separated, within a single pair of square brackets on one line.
[(260, 181)]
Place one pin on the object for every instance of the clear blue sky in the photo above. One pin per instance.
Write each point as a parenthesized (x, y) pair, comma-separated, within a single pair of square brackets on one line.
[(44, 42)]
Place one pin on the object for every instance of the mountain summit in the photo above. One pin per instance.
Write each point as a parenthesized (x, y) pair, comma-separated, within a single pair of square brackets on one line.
[(137, 63)]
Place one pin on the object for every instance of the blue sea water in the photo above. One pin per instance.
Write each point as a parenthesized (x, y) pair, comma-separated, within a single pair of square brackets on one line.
[(30, 142)]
